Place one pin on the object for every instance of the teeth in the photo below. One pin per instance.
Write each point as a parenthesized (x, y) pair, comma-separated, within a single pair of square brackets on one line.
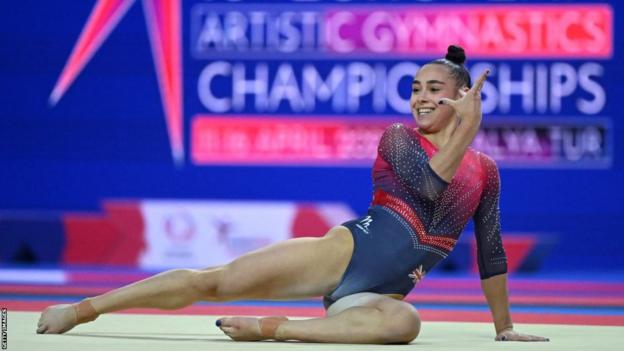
[(424, 111)]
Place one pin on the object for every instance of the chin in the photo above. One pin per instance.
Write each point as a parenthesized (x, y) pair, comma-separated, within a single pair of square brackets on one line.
[(432, 124), (426, 129), (424, 125)]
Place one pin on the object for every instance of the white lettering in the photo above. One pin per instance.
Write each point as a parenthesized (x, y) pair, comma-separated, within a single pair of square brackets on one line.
[(590, 107), (560, 88), (204, 87)]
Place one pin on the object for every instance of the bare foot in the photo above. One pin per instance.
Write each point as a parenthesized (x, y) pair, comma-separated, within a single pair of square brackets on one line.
[(57, 319), (249, 328)]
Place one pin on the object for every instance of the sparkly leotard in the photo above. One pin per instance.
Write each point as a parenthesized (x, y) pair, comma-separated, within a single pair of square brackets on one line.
[(415, 217)]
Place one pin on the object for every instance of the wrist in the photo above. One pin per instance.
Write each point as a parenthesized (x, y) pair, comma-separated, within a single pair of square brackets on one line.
[(466, 131), (84, 311), (471, 124)]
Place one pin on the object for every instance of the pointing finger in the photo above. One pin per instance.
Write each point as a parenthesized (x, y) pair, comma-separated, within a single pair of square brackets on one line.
[(479, 84)]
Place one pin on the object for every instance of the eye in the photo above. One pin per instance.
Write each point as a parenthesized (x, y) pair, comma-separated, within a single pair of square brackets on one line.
[(415, 90), (435, 89)]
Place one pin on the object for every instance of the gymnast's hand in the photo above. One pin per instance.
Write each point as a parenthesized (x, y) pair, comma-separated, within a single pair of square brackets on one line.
[(512, 335), (417, 274), (468, 106)]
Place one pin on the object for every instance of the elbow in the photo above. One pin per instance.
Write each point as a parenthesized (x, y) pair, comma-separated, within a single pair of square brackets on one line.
[(499, 269)]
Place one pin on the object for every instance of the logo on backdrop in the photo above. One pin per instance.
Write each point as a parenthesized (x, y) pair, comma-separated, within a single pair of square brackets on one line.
[(180, 227), (163, 21)]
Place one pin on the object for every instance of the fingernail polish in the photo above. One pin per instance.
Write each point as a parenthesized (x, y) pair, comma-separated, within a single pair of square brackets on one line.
[(218, 323), (441, 102)]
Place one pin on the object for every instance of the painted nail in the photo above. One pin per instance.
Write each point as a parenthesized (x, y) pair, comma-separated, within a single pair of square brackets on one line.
[(441, 102), (218, 323)]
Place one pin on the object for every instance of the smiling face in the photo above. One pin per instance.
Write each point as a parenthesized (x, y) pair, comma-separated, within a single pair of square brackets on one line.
[(433, 82)]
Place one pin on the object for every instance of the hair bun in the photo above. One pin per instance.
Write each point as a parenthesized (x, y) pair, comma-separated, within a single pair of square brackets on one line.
[(456, 54)]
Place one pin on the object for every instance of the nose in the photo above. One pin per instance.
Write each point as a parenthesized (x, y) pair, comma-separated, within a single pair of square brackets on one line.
[(420, 97)]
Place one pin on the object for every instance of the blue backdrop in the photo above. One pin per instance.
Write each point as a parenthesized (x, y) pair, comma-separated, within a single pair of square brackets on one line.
[(107, 136)]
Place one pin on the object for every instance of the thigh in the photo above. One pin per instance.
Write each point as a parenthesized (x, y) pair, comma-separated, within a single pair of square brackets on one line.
[(366, 299), (295, 268), (396, 321)]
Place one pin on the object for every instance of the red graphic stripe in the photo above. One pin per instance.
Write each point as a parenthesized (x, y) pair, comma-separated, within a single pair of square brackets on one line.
[(102, 20), (397, 205), (520, 300), (528, 285), (164, 22), (114, 279), (469, 298)]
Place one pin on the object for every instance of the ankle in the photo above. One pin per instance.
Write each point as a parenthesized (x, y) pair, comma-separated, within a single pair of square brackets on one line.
[(269, 326), (84, 311)]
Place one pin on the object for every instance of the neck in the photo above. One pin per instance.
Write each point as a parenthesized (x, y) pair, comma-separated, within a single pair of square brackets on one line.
[(441, 137)]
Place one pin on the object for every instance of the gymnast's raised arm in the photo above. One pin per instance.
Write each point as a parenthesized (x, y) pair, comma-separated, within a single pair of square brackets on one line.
[(468, 108)]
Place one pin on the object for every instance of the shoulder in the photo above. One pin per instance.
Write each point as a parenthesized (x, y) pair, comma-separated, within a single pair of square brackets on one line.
[(486, 161), (489, 168), (396, 138), (396, 127), (401, 141), (398, 130)]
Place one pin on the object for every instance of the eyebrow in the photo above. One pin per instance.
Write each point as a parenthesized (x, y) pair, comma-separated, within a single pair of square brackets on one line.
[(433, 81)]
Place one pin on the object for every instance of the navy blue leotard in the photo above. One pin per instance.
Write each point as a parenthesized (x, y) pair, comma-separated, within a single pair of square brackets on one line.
[(415, 217)]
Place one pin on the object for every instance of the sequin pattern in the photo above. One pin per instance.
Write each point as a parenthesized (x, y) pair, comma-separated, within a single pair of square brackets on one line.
[(438, 211)]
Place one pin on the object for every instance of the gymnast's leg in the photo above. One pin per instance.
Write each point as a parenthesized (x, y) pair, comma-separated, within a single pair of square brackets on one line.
[(360, 318), (296, 268)]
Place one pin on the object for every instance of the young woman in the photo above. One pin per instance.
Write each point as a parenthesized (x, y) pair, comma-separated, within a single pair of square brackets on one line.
[(428, 184)]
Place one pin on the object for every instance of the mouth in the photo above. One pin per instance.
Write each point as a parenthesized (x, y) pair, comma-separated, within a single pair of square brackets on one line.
[(424, 111)]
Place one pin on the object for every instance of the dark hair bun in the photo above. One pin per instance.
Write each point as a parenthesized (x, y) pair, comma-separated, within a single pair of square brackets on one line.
[(456, 54)]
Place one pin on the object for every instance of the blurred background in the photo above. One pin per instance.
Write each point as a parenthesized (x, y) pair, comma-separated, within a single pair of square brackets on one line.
[(155, 134)]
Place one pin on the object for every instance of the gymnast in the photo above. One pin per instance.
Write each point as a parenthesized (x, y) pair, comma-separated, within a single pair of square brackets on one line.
[(427, 184)]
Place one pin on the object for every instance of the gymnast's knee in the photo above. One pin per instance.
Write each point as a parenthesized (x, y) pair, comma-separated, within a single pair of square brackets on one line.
[(219, 284), (210, 284), (403, 323)]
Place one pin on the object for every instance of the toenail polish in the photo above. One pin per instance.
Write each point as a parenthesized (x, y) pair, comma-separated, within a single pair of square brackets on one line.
[(218, 323)]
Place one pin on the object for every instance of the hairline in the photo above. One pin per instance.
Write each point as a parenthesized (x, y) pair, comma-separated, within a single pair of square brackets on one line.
[(446, 63)]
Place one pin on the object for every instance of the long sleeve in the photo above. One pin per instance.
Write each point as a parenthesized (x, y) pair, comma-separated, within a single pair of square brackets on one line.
[(410, 163), (491, 256)]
